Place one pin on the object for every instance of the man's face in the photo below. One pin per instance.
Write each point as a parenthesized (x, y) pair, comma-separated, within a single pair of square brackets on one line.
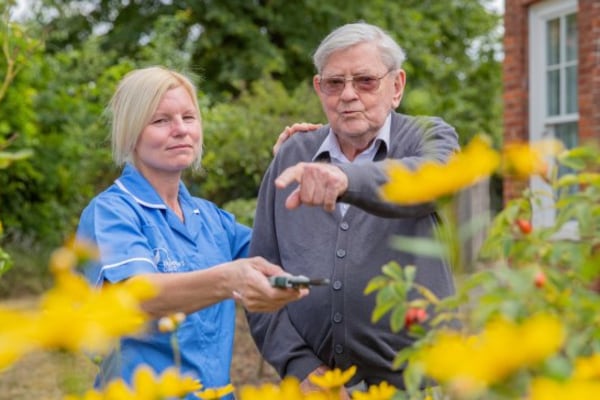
[(357, 110)]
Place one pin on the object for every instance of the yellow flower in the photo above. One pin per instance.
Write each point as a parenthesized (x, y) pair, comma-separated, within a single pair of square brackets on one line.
[(84, 250), (215, 393), (289, 389), (469, 364), (433, 180), (521, 160), (547, 389), (115, 390), (146, 385), (587, 368), (383, 391), (62, 259), (166, 324), (333, 379), (71, 255), (171, 322), (95, 317), (15, 329)]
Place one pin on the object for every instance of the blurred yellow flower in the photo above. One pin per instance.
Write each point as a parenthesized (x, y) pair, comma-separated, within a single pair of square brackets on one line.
[(383, 391), (547, 389), (433, 180), (333, 379), (71, 255), (521, 160), (587, 367), (95, 318), (215, 393), (289, 388), (170, 323), (469, 364), (14, 340), (62, 259), (146, 385)]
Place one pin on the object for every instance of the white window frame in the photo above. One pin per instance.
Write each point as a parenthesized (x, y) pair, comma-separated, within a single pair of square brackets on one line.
[(539, 123)]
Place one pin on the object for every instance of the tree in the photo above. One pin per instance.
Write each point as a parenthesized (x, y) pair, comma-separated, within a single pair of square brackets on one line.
[(453, 68)]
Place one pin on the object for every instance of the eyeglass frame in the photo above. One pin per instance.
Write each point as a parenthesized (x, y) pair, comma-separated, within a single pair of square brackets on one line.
[(352, 79)]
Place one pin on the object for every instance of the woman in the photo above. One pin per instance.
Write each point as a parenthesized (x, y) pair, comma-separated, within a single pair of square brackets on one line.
[(147, 224)]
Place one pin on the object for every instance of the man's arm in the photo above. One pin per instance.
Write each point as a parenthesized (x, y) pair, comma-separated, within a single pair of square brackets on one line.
[(323, 184)]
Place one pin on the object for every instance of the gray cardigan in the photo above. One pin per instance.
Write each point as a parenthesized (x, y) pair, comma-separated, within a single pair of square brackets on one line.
[(332, 325)]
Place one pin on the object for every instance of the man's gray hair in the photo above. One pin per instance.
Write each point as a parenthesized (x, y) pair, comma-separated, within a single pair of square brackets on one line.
[(350, 35)]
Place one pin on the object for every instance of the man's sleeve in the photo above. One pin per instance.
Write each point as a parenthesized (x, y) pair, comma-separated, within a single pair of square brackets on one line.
[(276, 338), (431, 141)]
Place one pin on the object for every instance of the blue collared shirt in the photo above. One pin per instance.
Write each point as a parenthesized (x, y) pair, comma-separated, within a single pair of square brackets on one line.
[(137, 233)]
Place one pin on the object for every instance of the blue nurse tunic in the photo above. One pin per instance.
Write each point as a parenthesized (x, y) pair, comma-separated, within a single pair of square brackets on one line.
[(136, 233)]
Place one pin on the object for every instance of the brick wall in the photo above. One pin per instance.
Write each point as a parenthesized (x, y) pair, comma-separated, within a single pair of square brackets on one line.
[(515, 75), (515, 82), (588, 20)]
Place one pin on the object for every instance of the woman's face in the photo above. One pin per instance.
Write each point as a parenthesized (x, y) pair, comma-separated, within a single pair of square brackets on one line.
[(172, 139)]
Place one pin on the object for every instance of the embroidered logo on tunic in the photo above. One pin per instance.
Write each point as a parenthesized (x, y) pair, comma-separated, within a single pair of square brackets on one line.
[(164, 262)]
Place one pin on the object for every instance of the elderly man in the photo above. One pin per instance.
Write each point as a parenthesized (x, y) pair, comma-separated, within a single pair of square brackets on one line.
[(319, 213)]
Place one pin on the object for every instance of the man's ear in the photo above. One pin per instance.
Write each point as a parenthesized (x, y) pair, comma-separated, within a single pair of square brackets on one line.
[(399, 84), (316, 84)]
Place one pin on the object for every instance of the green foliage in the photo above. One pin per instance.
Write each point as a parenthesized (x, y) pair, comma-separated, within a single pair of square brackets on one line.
[(70, 136), (453, 68), (239, 137), (552, 269), (243, 209)]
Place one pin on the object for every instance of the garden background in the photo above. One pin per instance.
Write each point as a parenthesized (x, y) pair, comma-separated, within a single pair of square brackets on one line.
[(252, 64)]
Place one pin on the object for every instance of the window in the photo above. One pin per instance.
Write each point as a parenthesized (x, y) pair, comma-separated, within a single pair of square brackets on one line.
[(553, 106)]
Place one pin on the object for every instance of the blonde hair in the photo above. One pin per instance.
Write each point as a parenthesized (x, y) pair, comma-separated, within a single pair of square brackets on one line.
[(135, 101)]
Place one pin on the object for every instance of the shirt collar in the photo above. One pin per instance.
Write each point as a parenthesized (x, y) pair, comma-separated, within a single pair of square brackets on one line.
[(133, 183), (331, 146)]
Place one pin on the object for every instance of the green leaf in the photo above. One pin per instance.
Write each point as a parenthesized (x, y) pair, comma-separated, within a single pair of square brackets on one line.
[(403, 356), (420, 246), (428, 294), (375, 284), (380, 310), (393, 270), (397, 318), (410, 272)]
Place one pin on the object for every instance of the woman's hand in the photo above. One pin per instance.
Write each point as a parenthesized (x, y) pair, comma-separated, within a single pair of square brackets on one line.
[(291, 130), (253, 289)]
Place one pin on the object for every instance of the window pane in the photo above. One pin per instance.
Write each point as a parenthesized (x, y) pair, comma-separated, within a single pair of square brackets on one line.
[(567, 134), (553, 42), (571, 44), (572, 106), (553, 95)]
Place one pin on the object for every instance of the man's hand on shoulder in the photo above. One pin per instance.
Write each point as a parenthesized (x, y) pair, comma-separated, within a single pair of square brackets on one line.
[(289, 131)]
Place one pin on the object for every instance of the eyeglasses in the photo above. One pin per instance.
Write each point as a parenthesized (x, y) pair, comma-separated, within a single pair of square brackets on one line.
[(361, 83)]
